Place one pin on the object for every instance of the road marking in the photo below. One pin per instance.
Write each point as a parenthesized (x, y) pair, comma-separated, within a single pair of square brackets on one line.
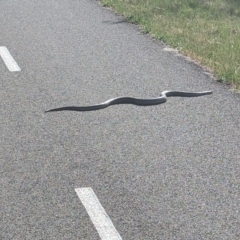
[(98, 215), (8, 60)]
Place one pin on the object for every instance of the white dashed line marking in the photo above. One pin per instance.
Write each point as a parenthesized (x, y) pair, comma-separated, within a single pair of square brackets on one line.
[(98, 215), (8, 60)]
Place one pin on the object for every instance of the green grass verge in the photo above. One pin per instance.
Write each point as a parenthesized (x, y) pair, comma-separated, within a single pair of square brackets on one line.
[(205, 30)]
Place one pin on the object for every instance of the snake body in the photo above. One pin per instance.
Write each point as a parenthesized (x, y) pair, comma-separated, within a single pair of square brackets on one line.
[(131, 100)]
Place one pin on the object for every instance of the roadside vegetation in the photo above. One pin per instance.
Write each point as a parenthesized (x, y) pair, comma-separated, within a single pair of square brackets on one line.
[(208, 31)]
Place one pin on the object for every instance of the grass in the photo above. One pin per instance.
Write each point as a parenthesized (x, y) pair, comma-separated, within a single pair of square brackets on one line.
[(205, 30)]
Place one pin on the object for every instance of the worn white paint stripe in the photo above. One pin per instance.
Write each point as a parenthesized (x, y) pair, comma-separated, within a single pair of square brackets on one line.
[(8, 60), (98, 215)]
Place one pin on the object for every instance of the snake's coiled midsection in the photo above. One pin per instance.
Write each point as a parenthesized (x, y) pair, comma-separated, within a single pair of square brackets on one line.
[(131, 100)]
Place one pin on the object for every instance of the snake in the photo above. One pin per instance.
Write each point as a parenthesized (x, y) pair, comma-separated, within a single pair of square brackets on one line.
[(132, 100)]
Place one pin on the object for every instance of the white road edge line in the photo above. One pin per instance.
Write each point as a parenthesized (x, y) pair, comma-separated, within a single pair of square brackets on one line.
[(98, 215), (8, 60)]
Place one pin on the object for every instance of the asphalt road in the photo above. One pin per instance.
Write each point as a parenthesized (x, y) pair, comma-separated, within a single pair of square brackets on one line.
[(169, 171)]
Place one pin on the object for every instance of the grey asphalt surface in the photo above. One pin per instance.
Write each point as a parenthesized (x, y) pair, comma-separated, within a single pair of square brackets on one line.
[(161, 172)]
